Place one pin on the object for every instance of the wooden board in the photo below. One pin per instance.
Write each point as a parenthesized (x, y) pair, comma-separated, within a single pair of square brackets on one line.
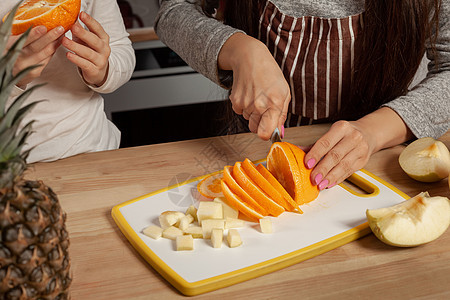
[(335, 218)]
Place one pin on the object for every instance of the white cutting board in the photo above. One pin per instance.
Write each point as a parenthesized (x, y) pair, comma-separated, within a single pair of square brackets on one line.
[(335, 218)]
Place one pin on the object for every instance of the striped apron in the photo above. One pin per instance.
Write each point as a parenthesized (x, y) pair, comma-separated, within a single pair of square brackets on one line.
[(316, 56)]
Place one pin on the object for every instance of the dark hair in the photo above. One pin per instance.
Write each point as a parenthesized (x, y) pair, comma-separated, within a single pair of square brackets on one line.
[(394, 40)]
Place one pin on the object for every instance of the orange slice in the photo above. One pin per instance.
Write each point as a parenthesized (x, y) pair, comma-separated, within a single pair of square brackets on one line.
[(265, 185), (210, 186), (308, 191), (240, 205), (240, 192), (50, 13), (291, 205), (282, 164), (255, 192)]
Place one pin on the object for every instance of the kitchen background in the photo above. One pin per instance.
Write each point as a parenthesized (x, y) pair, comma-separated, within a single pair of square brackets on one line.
[(165, 100)]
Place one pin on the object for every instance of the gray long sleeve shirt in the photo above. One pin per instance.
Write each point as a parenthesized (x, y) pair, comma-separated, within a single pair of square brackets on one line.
[(198, 39)]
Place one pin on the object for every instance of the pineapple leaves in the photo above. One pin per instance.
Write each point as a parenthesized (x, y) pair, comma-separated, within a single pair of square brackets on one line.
[(12, 134), (7, 136), (11, 56), (6, 66), (7, 87), (15, 145), (15, 113), (5, 29)]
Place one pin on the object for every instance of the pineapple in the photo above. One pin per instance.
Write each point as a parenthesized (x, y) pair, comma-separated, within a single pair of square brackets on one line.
[(34, 261)]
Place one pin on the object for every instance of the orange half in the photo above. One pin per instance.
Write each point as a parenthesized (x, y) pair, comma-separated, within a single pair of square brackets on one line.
[(282, 163), (255, 191), (308, 191), (49, 13)]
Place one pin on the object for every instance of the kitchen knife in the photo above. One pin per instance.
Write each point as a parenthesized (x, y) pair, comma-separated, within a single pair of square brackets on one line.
[(275, 136)]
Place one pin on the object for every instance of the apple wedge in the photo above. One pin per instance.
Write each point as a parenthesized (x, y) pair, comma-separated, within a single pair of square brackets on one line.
[(426, 160), (413, 222)]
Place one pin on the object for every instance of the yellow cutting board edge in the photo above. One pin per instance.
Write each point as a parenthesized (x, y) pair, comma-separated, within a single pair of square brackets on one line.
[(256, 270)]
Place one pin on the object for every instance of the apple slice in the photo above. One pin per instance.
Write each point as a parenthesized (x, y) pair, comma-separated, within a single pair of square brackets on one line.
[(426, 160), (413, 222)]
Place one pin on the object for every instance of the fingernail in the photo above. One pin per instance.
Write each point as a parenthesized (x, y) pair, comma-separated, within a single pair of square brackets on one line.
[(42, 29), (323, 184), (310, 163), (60, 29), (331, 185), (318, 178), (282, 131)]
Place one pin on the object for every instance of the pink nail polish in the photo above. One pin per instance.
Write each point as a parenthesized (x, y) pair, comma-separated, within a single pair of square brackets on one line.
[(323, 184), (318, 178), (310, 163), (331, 185), (282, 131)]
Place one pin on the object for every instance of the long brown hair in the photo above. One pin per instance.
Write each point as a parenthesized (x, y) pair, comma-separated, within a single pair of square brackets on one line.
[(395, 34)]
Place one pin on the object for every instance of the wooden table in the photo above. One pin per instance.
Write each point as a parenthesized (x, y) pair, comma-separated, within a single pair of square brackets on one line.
[(106, 266)]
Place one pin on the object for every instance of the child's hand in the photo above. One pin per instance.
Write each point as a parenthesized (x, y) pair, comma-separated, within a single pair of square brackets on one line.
[(37, 50), (89, 50)]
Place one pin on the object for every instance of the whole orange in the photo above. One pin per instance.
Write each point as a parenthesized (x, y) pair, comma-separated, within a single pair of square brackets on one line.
[(49, 13)]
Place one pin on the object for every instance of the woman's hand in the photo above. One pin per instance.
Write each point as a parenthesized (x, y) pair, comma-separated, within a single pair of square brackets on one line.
[(344, 149), (347, 146), (260, 92), (89, 50), (38, 49)]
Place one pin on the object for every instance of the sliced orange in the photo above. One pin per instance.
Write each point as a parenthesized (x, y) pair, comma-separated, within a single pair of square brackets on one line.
[(308, 191), (282, 164), (210, 186), (255, 192), (265, 185), (50, 13), (240, 192), (290, 203), (240, 205)]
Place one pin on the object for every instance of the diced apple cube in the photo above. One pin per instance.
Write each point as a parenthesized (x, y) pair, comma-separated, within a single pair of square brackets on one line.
[(171, 232), (209, 224), (192, 210), (185, 221), (233, 223), (209, 210), (153, 231), (216, 237), (228, 211), (169, 218), (195, 231), (265, 225), (184, 242), (233, 238)]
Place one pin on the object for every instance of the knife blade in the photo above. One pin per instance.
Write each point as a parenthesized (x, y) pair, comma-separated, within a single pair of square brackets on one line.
[(275, 136)]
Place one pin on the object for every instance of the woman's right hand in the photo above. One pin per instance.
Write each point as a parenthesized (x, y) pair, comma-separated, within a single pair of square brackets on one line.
[(260, 92), (37, 50)]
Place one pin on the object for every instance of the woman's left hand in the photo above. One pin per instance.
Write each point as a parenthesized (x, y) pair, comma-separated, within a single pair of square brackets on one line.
[(90, 50), (344, 149), (347, 146)]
